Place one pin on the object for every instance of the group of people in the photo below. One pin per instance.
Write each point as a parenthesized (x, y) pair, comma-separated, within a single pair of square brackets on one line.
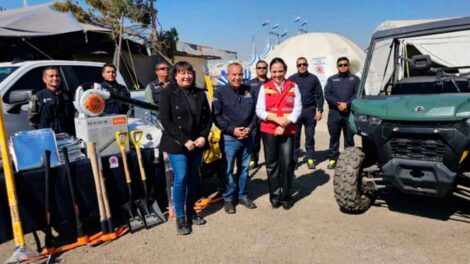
[(273, 109)]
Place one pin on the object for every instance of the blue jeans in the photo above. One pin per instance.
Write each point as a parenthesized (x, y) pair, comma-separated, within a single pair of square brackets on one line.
[(186, 180), (236, 151)]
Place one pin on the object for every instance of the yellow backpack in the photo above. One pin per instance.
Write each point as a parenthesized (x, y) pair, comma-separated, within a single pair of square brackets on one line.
[(213, 153)]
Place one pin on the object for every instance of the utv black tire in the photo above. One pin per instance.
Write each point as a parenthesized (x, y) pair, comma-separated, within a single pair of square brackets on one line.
[(347, 181)]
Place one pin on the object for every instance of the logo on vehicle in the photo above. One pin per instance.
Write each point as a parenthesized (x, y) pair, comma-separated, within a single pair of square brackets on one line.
[(419, 108)]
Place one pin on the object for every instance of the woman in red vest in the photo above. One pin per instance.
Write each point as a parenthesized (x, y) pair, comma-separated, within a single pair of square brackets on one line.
[(278, 106)]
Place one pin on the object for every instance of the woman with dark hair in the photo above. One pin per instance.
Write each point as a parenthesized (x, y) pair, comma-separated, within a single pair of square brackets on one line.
[(278, 106), (186, 120)]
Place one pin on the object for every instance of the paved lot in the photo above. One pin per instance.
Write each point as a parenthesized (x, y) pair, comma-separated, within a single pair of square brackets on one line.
[(397, 229)]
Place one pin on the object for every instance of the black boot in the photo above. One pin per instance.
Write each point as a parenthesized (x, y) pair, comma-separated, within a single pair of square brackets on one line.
[(182, 226)]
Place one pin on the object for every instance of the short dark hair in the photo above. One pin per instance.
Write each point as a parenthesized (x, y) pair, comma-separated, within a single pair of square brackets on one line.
[(108, 65), (342, 59), (161, 62), (301, 58), (49, 68), (261, 61), (278, 60), (182, 66)]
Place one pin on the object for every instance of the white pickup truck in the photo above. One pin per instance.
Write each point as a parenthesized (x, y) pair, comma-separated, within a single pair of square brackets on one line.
[(18, 81)]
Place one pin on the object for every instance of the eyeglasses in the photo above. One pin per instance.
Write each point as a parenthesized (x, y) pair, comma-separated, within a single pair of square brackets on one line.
[(261, 68), (163, 69), (302, 65), (343, 65)]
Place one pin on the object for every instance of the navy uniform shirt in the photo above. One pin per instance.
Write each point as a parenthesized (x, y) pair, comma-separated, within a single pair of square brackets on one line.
[(53, 110), (114, 107), (232, 108), (255, 85), (341, 88), (310, 90)]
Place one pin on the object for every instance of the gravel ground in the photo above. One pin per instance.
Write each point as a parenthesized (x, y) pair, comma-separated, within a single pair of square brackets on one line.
[(397, 229)]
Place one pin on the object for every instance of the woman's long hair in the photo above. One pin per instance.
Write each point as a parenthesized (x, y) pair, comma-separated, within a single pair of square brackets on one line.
[(179, 67)]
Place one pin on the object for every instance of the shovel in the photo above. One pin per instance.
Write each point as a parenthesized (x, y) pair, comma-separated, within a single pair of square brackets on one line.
[(150, 209), (134, 220)]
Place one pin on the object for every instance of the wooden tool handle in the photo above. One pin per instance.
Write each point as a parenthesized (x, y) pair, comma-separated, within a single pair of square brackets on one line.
[(141, 164), (91, 153), (126, 167)]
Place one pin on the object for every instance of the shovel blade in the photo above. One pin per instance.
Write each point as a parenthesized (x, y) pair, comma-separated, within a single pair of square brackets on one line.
[(151, 218), (134, 221)]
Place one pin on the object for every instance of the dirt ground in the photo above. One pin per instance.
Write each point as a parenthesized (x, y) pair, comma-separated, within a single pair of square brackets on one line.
[(397, 229)]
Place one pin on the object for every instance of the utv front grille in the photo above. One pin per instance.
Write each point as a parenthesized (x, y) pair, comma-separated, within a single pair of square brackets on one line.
[(418, 148)]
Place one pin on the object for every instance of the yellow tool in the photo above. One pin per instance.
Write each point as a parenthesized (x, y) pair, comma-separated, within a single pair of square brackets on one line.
[(134, 221), (21, 253), (213, 153), (151, 212)]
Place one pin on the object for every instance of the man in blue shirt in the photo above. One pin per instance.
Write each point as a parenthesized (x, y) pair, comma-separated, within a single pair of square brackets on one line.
[(340, 90), (255, 84), (312, 109), (234, 114)]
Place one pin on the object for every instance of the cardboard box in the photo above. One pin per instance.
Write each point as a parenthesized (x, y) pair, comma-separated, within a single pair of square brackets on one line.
[(101, 130)]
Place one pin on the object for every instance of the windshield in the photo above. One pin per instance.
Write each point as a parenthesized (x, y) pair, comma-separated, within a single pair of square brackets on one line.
[(430, 64), (5, 71)]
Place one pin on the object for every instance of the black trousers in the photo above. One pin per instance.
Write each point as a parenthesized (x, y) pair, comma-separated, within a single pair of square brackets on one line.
[(337, 122), (278, 151), (307, 120), (256, 144)]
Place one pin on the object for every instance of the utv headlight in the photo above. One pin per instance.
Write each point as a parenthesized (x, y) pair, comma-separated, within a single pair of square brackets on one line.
[(367, 120)]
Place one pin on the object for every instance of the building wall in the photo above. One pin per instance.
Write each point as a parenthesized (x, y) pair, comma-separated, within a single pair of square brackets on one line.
[(198, 65)]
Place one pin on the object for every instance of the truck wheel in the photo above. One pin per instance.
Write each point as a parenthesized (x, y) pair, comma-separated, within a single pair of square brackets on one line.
[(347, 180)]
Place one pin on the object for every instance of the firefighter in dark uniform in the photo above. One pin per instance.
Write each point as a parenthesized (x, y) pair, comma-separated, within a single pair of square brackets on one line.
[(52, 107), (155, 87), (255, 84), (340, 90), (111, 85), (312, 109)]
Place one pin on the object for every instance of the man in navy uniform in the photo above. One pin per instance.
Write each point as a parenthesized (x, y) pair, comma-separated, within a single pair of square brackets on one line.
[(155, 87), (110, 84), (52, 107), (234, 114), (255, 84), (312, 109), (340, 90)]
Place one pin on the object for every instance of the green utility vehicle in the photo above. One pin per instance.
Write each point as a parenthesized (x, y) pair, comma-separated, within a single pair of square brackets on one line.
[(413, 115)]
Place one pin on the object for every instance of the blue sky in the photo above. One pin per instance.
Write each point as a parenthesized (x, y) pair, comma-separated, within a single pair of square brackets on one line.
[(230, 24)]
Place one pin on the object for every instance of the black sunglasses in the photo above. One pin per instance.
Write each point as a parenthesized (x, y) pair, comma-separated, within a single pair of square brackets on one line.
[(163, 69), (261, 68), (343, 65), (302, 64)]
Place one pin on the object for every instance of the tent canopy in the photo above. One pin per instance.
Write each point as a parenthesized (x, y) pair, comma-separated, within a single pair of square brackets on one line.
[(446, 49), (321, 49), (23, 22)]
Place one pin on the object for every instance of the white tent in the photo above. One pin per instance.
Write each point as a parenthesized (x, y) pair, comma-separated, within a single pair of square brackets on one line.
[(321, 51)]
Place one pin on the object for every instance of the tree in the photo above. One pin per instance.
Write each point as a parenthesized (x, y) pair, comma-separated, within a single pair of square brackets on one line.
[(139, 17), (168, 39)]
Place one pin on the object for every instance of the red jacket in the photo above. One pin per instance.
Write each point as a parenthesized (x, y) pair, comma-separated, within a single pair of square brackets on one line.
[(279, 104)]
